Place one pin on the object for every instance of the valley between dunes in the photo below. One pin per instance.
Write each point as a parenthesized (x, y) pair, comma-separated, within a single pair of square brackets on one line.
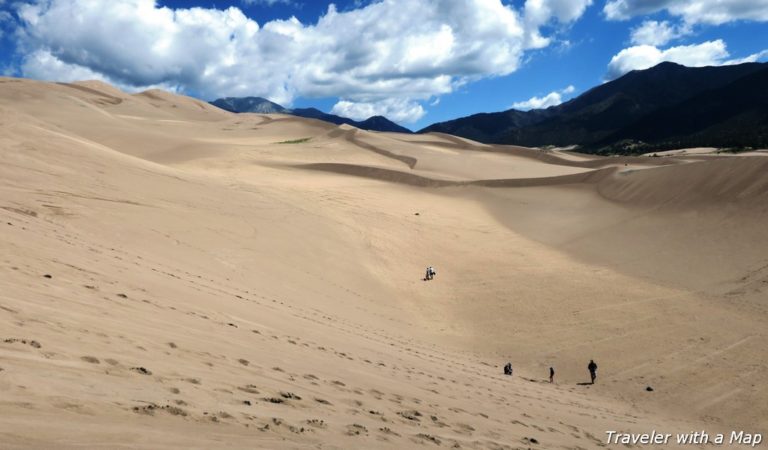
[(177, 276)]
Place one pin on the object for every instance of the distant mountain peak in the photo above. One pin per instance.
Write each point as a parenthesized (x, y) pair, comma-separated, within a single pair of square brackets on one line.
[(249, 104), (264, 106), (665, 64)]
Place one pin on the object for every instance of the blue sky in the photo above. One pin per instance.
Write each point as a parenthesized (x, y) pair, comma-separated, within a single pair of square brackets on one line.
[(415, 61)]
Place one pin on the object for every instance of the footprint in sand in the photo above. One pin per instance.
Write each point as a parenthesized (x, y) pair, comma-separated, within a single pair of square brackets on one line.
[(152, 407), (316, 423), (142, 370), (427, 437), (436, 420), (249, 388), (356, 429), (388, 431), (376, 394), (463, 428), (411, 415), (29, 342), (289, 395)]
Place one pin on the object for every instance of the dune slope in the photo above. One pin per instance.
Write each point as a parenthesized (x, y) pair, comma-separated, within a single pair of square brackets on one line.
[(174, 276)]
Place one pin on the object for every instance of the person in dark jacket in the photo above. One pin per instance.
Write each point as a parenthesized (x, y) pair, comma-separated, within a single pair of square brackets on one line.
[(592, 370), (551, 374)]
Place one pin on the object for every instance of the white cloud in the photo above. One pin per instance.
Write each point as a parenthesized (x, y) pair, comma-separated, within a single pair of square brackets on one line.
[(554, 98), (538, 13), (397, 109), (5, 19), (713, 12), (651, 32), (759, 56), (42, 65), (710, 53), (411, 50)]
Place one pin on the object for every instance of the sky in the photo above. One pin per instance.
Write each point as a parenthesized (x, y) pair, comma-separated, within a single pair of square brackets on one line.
[(416, 62)]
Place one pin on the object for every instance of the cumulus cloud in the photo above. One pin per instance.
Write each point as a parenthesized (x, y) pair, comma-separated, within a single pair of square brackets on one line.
[(651, 32), (759, 56), (710, 53), (714, 12), (5, 18), (538, 13), (554, 98), (409, 50), (42, 65), (396, 109)]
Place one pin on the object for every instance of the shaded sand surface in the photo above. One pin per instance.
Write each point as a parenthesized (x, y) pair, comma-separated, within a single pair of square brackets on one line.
[(176, 276)]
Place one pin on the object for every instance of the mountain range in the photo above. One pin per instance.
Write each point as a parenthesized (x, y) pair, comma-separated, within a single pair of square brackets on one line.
[(264, 106), (664, 107)]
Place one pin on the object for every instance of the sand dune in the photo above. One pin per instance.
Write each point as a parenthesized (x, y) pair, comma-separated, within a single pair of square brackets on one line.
[(176, 276)]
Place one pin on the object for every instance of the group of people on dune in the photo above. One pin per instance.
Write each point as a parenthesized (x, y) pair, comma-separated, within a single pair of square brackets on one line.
[(592, 367)]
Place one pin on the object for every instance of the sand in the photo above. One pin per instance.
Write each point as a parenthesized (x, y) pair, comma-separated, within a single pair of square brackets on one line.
[(177, 276)]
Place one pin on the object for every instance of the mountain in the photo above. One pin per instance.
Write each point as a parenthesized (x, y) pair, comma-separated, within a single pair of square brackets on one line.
[(248, 104), (622, 115), (381, 123), (314, 113), (734, 115), (264, 106), (486, 127)]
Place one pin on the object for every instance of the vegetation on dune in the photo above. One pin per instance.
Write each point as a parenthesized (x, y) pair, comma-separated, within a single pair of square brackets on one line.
[(295, 141)]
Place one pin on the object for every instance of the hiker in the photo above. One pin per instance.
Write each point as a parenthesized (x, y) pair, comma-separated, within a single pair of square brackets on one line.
[(508, 369), (551, 374), (592, 370), (431, 272)]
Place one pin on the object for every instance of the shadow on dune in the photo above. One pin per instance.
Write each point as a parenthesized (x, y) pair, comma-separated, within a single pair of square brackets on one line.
[(549, 157), (396, 176), (350, 135), (733, 180)]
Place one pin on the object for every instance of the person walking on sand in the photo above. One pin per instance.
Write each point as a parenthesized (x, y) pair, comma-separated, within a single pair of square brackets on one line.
[(508, 369), (431, 272), (551, 374), (592, 370)]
